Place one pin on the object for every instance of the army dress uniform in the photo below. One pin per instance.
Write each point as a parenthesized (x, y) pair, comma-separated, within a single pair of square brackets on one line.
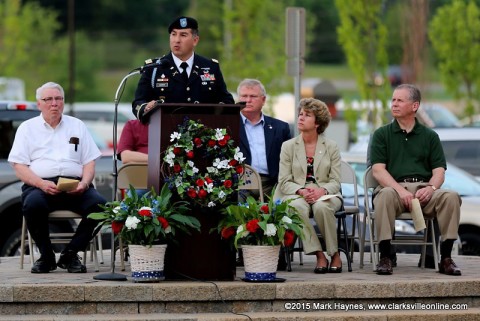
[(165, 84)]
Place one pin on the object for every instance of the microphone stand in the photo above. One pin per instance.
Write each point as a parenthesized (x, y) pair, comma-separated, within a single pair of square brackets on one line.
[(112, 276)]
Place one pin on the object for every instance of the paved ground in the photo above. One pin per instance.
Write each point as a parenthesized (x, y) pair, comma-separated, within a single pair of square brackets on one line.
[(407, 270)]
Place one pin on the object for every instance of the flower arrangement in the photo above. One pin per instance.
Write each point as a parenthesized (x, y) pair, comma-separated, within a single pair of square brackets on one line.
[(193, 140), (149, 219), (256, 223)]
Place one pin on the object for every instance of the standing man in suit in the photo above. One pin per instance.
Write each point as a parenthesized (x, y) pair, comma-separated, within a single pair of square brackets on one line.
[(181, 76), (261, 136)]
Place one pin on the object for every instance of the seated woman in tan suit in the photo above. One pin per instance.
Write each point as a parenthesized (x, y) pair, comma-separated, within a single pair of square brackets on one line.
[(310, 173)]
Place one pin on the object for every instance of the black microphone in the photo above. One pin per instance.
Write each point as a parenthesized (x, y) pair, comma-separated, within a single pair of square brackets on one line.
[(155, 64)]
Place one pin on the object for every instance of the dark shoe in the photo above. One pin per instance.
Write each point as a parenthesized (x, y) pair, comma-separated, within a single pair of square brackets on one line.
[(71, 261), (447, 266), (384, 267), (429, 262), (335, 269), (321, 269), (44, 265)]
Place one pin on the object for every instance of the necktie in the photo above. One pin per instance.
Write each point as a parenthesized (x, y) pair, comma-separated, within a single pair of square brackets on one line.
[(184, 65)]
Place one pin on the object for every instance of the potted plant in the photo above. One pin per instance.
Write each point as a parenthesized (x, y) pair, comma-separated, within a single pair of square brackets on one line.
[(260, 229), (147, 223)]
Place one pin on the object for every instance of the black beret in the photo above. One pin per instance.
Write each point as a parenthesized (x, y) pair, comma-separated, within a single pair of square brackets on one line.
[(183, 23)]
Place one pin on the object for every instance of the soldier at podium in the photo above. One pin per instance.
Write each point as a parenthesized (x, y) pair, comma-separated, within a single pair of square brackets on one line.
[(181, 76)]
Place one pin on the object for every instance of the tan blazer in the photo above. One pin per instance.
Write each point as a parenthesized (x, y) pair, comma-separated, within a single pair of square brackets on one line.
[(293, 166)]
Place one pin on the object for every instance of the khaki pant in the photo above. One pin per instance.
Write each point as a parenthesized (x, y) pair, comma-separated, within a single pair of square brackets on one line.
[(444, 205), (324, 216)]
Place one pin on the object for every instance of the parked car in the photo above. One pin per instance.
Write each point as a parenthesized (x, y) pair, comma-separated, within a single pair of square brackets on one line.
[(12, 114), (455, 179), (437, 116), (462, 147)]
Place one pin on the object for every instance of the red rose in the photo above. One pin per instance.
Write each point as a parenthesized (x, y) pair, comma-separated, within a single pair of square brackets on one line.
[(145, 211), (211, 143), (227, 183), (289, 238), (191, 193), (252, 226), (227, 137), (222, 142), (239, 169), (177, 150), (177, 168), (202, 193), (264, 208), (208, 180), (117, 227), (163, 222), (190, 154), (199, 182), (197, 141), (227, 232), (232, 162)]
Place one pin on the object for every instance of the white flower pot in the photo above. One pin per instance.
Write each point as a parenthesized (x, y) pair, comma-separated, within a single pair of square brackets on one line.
[(147, 262), (260, 262)]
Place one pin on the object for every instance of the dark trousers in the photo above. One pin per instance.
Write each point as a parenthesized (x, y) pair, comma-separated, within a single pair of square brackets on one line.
[(37, 206)]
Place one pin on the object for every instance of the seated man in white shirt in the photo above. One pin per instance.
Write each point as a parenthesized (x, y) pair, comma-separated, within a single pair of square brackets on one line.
[(46, 148)]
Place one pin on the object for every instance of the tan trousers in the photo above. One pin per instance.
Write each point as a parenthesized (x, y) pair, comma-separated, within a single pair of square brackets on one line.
[(444, 205), (324, 216)]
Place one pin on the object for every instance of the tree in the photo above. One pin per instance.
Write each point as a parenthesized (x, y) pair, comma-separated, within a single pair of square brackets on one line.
[(363, 37), (457, 46), (257, 44), (27, 42)]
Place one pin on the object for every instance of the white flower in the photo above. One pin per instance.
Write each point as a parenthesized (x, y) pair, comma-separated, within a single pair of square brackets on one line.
[(287, 220), (239, 155), (221, 194), (132, 222), (219, 134), (174, 136), (169, 158), (221, 163), (168, 229), (240, 230), (211, 204), (271, 230), (209, 187), (116, 209)]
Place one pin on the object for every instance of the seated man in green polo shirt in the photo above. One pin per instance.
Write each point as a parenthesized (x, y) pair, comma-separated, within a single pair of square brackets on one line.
[(408, 162)]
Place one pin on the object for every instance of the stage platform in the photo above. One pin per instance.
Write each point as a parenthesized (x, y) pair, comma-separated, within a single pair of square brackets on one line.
[(410, 293)]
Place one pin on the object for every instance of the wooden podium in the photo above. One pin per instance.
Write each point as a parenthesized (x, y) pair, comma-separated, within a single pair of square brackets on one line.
[(201, 255)]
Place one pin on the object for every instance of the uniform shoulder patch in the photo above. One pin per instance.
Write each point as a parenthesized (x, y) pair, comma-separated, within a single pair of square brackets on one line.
[(215, 60)]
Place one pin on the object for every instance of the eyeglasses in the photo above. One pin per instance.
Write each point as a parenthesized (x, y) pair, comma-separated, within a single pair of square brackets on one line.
[(252, 97), (49, 100)]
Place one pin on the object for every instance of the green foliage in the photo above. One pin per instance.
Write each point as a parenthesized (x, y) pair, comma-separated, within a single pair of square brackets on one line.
[(256, 45), (256, 223), (150, 219), (363, 37), (457, 46)]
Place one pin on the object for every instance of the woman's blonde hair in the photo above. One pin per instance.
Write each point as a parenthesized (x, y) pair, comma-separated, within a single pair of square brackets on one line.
[(319, 109)]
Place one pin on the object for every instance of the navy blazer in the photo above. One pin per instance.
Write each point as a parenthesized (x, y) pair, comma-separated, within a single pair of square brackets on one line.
[(276, 132), (165, 83)]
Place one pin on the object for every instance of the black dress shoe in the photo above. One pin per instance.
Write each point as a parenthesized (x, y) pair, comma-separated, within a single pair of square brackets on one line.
[(447, 266), (44, 265), (71, 261), (321, 269), (384, 267)]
